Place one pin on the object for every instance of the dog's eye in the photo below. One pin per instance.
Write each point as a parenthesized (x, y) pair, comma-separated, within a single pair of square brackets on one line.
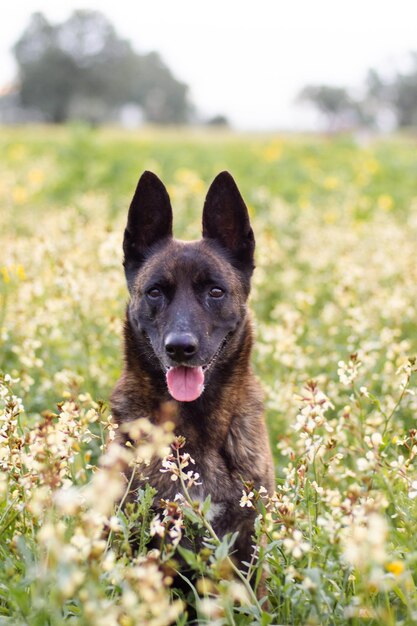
[(216, 292), (154, 293)]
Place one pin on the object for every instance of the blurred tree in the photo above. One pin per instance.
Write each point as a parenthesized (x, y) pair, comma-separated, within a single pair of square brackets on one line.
[(162, 98), (82, 68), (387, 101), (395, 96), (404, 95), (218, 120), (334, 103), (374, 108)]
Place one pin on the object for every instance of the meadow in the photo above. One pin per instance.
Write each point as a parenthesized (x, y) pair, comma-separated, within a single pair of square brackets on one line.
[(334, 302)]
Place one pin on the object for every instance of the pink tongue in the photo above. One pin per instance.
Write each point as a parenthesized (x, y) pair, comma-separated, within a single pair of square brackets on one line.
[(185, 384)]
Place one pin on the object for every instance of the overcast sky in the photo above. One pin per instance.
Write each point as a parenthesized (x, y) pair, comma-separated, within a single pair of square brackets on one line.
[(248, 58)]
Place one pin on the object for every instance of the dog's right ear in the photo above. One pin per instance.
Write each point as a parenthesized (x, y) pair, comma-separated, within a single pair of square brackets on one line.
[(149, 221)]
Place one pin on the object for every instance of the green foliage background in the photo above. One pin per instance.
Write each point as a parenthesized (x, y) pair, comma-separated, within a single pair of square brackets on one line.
[(333, 298)]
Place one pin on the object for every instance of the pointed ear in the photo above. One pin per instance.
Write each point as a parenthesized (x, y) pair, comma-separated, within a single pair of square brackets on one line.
[(226, 219), (149, 221)]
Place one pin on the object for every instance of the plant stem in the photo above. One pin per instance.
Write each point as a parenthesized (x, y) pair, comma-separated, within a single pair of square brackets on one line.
[(214, 536), (122, 501)]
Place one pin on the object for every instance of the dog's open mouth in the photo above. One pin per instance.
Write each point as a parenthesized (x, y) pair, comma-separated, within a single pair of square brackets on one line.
[(186, 383)]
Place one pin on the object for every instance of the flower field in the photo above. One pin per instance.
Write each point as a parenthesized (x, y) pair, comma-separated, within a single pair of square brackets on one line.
[(335, 303)]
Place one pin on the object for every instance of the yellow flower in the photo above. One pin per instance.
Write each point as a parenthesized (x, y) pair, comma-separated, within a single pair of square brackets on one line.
[(385, 202), (395, 567), (331, 182), (371, 165), (36, 176), (19, 195), (5, 274), (190, 179), (20, 272), (272, 152)]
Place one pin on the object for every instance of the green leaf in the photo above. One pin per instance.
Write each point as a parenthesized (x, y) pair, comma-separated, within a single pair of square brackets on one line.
[(189, 557), (205, 507)]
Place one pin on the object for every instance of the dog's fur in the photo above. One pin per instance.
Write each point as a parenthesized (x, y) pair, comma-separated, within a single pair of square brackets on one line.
[(172, 284)]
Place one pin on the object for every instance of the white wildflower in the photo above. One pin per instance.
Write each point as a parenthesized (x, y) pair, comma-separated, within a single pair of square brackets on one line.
[(246, 499), (296, 545)]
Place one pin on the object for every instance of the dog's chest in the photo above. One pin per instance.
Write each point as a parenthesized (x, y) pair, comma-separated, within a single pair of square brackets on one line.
[(218, 483), (214, 479)]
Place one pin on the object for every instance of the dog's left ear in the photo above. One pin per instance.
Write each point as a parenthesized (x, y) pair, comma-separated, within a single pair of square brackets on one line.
[(226, 219)]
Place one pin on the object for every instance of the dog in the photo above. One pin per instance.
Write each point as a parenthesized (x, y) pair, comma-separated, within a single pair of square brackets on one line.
[(187, 341)]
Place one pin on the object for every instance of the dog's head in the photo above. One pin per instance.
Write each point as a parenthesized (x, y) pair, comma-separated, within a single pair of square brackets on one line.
[(188, 299)]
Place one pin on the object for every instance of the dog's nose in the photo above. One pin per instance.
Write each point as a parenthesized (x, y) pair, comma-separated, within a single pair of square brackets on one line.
[(181, 346)]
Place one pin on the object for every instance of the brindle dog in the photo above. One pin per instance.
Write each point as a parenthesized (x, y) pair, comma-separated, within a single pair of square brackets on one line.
[(188, 339)]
